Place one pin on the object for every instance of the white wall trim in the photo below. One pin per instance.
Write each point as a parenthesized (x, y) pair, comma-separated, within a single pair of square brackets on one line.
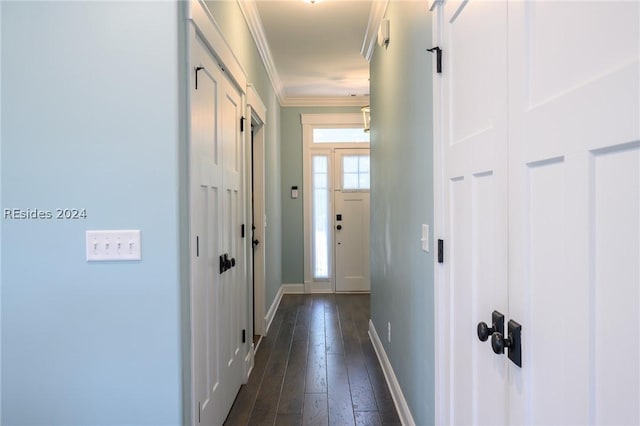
[(325, 101), (292, 288), (252, 16), (318, 287), (256, 104), (331, 119), (268, 319), (396, 392), (378, 9), (249, 362), (205, 24)]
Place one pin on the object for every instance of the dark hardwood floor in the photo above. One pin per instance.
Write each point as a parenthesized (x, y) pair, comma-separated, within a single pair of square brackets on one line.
[(316, 366)]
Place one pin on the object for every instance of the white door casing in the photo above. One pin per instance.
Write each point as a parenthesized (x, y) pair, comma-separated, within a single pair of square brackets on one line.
[(572, 210), (352, 231), (256, 208)]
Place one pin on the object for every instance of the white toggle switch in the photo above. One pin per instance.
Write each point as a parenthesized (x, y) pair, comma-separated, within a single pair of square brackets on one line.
[(424, 240), (113, 245)]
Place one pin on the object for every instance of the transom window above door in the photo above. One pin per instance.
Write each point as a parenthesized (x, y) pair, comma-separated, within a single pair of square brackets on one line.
[(340, 135)]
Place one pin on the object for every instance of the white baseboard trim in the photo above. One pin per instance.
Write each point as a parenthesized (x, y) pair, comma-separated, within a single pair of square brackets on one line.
[(272, 311), (318, 287), (292, 288), (249, 362), (396, 392)]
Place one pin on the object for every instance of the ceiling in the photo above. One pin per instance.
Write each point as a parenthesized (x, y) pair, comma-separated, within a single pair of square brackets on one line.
[(316, 54)]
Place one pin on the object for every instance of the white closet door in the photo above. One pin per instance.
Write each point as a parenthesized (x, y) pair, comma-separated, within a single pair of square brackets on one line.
[(217, 296), (205, 166), (474, 106), (574, 211), (233, 279)]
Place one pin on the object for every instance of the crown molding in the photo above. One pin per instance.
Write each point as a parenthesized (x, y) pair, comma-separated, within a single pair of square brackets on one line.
[(252, 16), (378, 9), (325, 101)]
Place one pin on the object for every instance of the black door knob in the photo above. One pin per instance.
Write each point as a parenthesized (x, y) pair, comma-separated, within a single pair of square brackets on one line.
[(233, 262), (499, 343), (484, 331), (339, 227), (497, 325)]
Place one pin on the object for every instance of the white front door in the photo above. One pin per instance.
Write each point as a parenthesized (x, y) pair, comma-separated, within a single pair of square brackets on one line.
[(215, 212), (548, 91), (351, 220)]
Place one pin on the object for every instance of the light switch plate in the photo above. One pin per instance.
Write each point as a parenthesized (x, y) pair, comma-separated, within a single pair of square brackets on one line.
[(113, 245), (424, 240)]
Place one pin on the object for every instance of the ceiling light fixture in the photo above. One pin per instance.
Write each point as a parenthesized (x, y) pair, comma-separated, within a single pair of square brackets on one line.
[(366, 117)]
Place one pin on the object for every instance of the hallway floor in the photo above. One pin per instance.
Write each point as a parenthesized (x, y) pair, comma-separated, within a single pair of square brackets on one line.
[(316, 366)]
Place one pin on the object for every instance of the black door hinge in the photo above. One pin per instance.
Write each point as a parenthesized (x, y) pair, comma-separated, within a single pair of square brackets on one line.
[(438, 58), (242, 120), (244, 336), (242, 231), (198, 69), (440, 251)]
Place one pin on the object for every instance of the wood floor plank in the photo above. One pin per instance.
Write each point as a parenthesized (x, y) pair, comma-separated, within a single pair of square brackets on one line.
[(316, 380), (289, 419), (361, 390), (367, 418), (315, 411), (339, 392), (266, 404), (292, 397), (333, 334), (384, 400), (316, 366)]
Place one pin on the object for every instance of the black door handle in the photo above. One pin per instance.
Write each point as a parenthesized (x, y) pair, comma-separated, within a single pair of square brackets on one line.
[(497, 326), (339, 227)]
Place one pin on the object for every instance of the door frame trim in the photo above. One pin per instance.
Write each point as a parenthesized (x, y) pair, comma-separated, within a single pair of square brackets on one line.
[(257, 112), (441, 293)]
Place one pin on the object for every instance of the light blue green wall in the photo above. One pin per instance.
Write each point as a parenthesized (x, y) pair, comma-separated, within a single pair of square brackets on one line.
[(292, 209), (402, 200), (233, 25), (91, 106)]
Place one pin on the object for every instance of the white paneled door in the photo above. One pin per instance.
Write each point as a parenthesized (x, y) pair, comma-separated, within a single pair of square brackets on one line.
[(352, 233), (216, 250), (540, 140), (475, 193)]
